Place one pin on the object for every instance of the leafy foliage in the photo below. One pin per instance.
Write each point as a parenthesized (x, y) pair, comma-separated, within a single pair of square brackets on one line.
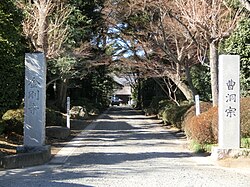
[(67, 67), (174, 115), (158, 105), (84, 20), (238, 44), (96, 87), (201, 80), (14, 120), (102, 85), (11, 55)]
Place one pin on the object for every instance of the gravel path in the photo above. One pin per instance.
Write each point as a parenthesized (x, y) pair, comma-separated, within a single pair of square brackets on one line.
[(125, 148)]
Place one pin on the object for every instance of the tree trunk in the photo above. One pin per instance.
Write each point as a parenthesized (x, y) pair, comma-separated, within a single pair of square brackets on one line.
[(213, 58), (139, 95), (214, 72), (42, 37), (187, 92)]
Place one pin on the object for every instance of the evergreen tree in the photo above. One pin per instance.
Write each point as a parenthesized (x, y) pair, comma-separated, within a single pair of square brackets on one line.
[(11, 55)]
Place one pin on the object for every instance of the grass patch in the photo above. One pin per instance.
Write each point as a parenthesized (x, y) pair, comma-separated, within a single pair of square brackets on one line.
[(245, 143), (200, 148)]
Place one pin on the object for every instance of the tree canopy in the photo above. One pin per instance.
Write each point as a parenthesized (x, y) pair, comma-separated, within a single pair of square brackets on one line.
[(174, 42)]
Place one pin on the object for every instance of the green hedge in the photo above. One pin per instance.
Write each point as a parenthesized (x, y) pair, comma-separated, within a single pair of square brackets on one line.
[(158, 105), (13, 120), (175, 115)]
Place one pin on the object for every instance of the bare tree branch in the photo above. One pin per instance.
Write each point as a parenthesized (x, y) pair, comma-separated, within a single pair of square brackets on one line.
[(246, 4)]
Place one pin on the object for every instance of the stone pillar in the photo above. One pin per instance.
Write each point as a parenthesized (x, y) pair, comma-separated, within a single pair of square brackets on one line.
[(229, 101), (35, 100)]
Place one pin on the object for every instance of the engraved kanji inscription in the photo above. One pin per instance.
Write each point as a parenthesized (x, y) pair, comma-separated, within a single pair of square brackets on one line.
[(231, 112), (231, 98), (34, 83), (231, 84), (33, 94), (33, 108)]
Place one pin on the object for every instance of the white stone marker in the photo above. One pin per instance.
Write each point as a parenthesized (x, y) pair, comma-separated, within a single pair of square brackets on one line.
[(35, 100), (197, 105), (229, 102), (68, 112)]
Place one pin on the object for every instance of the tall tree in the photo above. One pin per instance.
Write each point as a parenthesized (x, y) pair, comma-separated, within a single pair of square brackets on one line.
[(44, 25), (85, 44), (149, 26), (210, 22)]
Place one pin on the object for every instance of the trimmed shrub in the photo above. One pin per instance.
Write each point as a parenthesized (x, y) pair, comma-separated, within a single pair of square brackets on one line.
[(203, 129), (158, 105), (245, 117), (153, 107), (204, 106), (200, 128), (13, 121), (164, 105), (175, 115)]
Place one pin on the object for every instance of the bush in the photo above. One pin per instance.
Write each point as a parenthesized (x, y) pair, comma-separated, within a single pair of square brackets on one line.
[(245, 143), (200, 128), (204, 106), (164, 105), (54, 118), (13, 121), (245, 117), (175, 115), (158, 105), (203, 129)]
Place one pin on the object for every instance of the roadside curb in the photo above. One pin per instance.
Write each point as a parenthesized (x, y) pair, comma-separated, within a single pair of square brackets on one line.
[(22, 160)]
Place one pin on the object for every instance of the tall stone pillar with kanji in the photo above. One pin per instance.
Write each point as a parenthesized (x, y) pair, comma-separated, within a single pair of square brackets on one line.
[(229, 101), (35, 100)]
